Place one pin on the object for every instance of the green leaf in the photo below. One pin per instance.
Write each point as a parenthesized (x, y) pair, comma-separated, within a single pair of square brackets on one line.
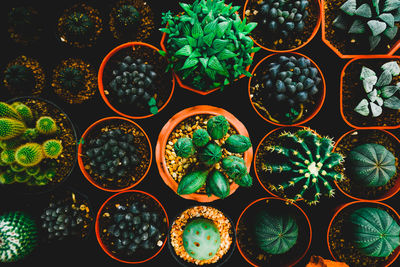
[(211, 27), (391, 32), (392, 103), (192, 42), (204, 62), (369, 82), (358, 27), (186, 29), (209, 38), (388, 18), (376, 110), (214, 64), (222, 27), (349, 7), (376, 27), (375, 3), (384, 79), (162, 53), (362, 108), (190, 62), (374, 41), (219, 44), (180, 42), (364, 11), (226, 54), (195, 53), (340, 22), (388, 91), (184, 51), (185, 7), (390, 5), (366, 72), (211, 73), (197, 31), (249, 27), (392, 66)]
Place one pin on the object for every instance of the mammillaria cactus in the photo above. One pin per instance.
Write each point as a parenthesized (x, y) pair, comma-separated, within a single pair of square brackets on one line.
[(375, 232), (208, 44), (18, 236), (372, 19), (29, 154), (306, 163), (275, 233), (52, 148), (46, 125), (371, 165)]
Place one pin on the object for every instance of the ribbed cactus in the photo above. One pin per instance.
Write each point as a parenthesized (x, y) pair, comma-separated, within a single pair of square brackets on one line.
[(275, 233), (46, 125), (371, 165), (72, 79), (217, 127), (52, 148), (7, 156), (210, 154), (200, 137), (375, 232), (29, 154), (30, 134), (237, 143), (184, 147), (127, 16), (10, 128), (79, 25), (24, 112), (18, 77), (8, 111)]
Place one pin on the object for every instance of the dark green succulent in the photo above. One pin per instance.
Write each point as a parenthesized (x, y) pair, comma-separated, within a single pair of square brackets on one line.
[(19, 76), (127, 16), (78, 25), (72, 79)]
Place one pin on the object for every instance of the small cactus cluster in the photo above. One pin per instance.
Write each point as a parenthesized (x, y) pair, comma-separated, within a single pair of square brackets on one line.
[(282, 17), (208, 44), (18, 236), (374, 232), (134, 227), (201, 239), (380, 92), (305, 164), (275, 233), (133, 84), (371, 19), (204, 146), (371, 165), (28, 148), (113, 154)]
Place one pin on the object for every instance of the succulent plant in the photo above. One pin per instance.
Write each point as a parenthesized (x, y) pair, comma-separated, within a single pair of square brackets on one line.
[(19, 76), (46, 125), (205, 146), (372, 19), (127, 16), (208, 44), (10, 128), (275, 233), (306, 163), (29, 154), (52, 148), (79, 25), (201, 239), (72, 78), (133, 83), (18, 236), (375, 232), (282, 17), (380, 92), (24, 112)]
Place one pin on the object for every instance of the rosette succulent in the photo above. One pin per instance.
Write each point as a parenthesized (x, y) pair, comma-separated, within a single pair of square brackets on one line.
[(208, 44)]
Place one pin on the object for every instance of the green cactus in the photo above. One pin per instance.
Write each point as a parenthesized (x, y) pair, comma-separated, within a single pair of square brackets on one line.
[(375, 232), (217, 185), (10, 128), (18, 236), (237, 143), (8, 111), (184, 147), (24, 112), (217, 127), (19, 77), (371, 165), (275, 233), (245, 180), (15, 167), (127, 16), (72, 79), (7, 156), (32, 171), (201, 239), (210, 154), (52, 148), (30, 134), (200, 137), (46, 125), (21, 177), (7, 177), (29, 154), (234, 167), (78, 25), (192, 182)]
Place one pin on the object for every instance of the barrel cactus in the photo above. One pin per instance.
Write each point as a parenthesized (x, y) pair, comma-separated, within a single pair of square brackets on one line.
[(10, 128), (19, 76), (127, 16), (52, 148), (29, 154), (46, 125), (371, 165), (375, 232)]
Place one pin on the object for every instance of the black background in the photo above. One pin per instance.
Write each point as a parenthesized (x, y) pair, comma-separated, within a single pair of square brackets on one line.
[(234, 98)]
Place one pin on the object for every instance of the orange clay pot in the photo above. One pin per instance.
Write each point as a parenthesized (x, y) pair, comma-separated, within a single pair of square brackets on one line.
[(121, 195), (386, 125), (318, 106), (314, 32), (170, 126), (82, 166), (393, 190), (394, 254), (283, 201), (103, 87)]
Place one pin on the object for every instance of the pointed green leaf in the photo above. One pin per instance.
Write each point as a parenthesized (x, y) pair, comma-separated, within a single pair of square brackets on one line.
[(226, 54), (249, 27), (388, 18), (390, 5), (211, 27), (180, 42), (162, 53), (211, 73), (392, 103), (214, 64), (186, 29), (391, 32), (376, 27), (189, 62), (192, 42), (362, 108), (392, 66), (364, 11), (376, 110), (197, 31), (209, 38), (384, 79), (366, 72), (374, 41), (219, 44), (375, 3), (388, 91), (358, 27), (372, 95), (221, 28), (369, 82), (349, 7), (195, 53), (204, 62), (184, 51)]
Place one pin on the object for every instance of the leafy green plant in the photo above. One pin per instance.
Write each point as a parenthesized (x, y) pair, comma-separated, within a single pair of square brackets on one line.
[(208, 44)]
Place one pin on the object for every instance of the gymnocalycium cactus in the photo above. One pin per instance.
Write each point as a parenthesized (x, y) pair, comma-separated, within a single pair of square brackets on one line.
[(19, 76), (275, 233), (373, 19), (380, 92), (201, 239), (371, 165), (205, 145), (375, 232), (208, 45), (18, 236), (127, 16), (306, 163)]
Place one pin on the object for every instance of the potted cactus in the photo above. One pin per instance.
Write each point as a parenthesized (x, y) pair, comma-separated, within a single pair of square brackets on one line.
[(115, 154), (283, 25), (24, 25), (203, 45), (272, 232), (131, 226), (296, 163), (287, 89), (201, 235), (371, 165), (204, 153), (369, 92), (364, 234)]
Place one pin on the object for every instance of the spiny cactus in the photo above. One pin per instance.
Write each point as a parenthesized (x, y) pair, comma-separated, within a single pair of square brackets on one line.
[(373, 19), (200, 138), (275, 233), (24, 112), (375, 232), (8, 111), (217, 127), (46, 125), (208, 44), (11, 128), (19, 76), (184, 147), (29, 154), (306, 163), (78, 25), (7, 156), (201, 239), (52, 148), (72, 79), (127, 16)]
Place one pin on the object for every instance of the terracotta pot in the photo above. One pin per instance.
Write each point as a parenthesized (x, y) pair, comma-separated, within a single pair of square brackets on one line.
[(170, 126), (390, 120), (309, 115), (317, 5), (165, 90), (346, 208), (96, 126), (300, 248), (121, 196), (356, 137)]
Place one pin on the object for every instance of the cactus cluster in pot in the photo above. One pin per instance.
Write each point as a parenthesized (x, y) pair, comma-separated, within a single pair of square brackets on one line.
[(204, 146)]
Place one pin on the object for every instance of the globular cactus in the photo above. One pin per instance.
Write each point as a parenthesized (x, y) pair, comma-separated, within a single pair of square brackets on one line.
[(46, 125), (7, 177), (18, 236), (8, 111), (10, 128), (210, 154), (72, 79), (275, 233), (24, 112), (52, 148), (374, 232), (127, 16), (184, 147), (30, 134), (201, 239), (7, 156), (78, 25), (217, 127), (19, 77), (33, 170), (371, 165), (192, 182), (234, 167), (200, 137), (237, 143), (29, 154)]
